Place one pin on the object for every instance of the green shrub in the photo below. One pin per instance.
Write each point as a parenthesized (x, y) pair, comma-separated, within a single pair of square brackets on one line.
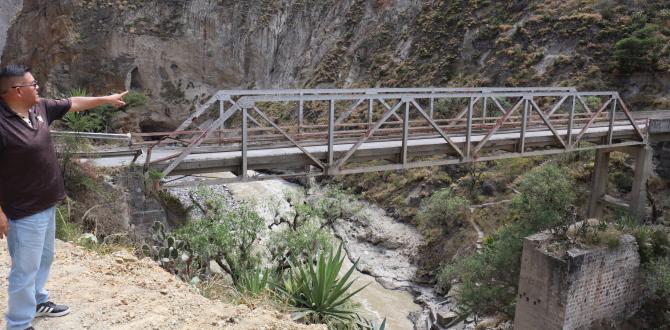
[(98, 119), (94, 120), (293, 244), (593, 102), (488, 280), (85, 121), (652, 243), (443, 209), (640, 51), (135, 99), (66, 230), (546, 198), (304, 229)]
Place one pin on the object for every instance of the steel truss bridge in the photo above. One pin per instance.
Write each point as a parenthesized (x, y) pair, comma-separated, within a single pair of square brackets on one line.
[(343, 131)]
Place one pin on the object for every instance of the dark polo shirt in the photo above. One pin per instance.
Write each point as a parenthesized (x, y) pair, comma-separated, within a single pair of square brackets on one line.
[(30, 178)]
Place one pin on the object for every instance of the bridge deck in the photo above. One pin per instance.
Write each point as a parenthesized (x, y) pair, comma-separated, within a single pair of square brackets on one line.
[(292, 158)]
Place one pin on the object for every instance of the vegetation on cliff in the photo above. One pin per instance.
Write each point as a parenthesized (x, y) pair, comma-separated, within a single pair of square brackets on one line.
[(488, 280)]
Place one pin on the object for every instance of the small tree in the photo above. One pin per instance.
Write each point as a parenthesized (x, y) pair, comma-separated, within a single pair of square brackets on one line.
[(545, 200), (225, 235), (306, 225)]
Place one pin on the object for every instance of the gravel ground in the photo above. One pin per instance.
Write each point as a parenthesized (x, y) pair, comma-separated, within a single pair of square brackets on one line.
[(118, 291)]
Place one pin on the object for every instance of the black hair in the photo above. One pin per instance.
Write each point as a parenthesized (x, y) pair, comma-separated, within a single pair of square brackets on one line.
[(8, 75)]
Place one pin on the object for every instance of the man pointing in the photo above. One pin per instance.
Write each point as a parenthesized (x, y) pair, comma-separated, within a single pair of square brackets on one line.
[(31, 185)]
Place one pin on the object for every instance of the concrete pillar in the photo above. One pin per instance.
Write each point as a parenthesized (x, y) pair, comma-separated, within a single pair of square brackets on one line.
[(638, 196), (598, 183)]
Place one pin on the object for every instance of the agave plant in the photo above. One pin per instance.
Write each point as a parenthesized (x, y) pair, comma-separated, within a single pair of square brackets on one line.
[(365, 324), (253, 282), (316, 292)]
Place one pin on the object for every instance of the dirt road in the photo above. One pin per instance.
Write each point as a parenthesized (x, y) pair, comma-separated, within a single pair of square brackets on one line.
[(118, 291)]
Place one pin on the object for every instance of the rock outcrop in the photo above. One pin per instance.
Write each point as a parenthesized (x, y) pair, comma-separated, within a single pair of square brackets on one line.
[(8, 9), (179, 53)]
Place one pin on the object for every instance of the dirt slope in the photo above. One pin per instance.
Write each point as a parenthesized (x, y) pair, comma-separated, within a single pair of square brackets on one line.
[(120, 292)]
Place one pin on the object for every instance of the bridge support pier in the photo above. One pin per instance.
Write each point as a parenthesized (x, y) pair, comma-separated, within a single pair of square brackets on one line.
[(598, 198), (643, 166), (598, 183)]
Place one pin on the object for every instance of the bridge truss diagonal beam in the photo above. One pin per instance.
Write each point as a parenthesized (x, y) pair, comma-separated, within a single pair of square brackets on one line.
[(437, 128), (591, 119), (547, 122), (629, 116), (200, 139), (340, 162), (267, 119), (499, 124)]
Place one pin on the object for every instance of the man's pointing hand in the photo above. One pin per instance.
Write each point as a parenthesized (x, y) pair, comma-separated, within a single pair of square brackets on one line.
[(116, 100)]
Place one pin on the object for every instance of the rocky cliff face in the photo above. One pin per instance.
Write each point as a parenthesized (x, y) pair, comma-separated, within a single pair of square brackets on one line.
[(180, 52), (8, 9)]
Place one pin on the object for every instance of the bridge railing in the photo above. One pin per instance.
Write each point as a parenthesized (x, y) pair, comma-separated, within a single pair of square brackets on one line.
[(335, 130)]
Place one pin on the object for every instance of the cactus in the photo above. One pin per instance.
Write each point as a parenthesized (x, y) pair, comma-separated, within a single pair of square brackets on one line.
[(173, 254)]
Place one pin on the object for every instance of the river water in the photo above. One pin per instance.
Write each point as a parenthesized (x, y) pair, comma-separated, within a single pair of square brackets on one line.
[(382, 263)]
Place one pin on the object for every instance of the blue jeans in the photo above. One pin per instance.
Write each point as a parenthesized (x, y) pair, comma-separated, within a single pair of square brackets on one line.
[(31, 246)]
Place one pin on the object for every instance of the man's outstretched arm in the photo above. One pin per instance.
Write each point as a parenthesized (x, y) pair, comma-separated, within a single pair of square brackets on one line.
[(83, 103)]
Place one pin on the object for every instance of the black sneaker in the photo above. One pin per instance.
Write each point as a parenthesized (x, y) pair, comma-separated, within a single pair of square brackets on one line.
[(50, 309), (30, 328)]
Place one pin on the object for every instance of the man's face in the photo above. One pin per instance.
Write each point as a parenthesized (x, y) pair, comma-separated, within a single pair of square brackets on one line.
[(26, 89)]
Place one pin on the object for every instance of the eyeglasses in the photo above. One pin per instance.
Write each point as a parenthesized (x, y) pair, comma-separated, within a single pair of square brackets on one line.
[(32, 84)]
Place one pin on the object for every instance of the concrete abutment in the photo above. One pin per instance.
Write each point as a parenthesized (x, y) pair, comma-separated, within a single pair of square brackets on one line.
[(143, 209), (590, 288)]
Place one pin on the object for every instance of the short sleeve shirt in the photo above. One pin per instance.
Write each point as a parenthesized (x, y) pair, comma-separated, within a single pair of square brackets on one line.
[(30, 178)]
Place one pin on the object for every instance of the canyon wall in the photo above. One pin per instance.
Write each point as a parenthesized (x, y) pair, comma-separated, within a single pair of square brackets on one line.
[(180, 52)]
